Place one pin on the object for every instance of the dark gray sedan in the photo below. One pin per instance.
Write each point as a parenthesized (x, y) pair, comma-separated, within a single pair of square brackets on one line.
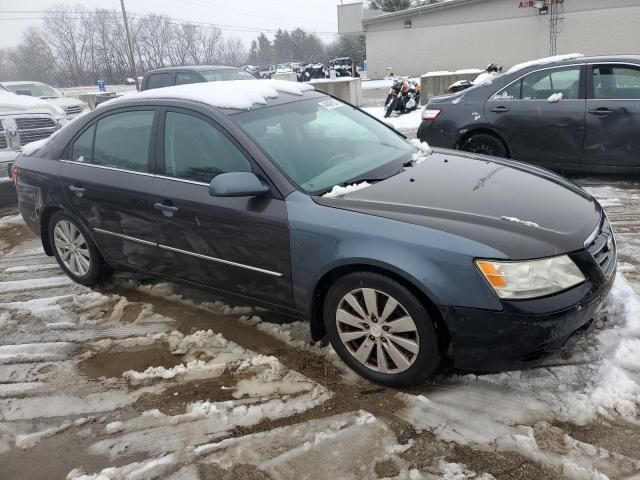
[(576, 114), (284, 197)]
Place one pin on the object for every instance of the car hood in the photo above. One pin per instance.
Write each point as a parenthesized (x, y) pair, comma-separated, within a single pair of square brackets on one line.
[(523, 211), (65, 102), (11, 103)]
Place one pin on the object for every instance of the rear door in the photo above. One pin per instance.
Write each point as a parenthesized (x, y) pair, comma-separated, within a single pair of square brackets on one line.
[(107, 177), (240, 245), (613, 116), (542, 115)]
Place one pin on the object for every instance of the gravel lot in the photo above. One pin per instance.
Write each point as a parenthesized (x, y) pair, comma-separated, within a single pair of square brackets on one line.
[(144, 380)]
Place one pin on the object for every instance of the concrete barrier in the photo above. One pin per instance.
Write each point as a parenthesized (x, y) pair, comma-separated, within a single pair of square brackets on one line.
[(434, 84), (346, 88), (291, 77)]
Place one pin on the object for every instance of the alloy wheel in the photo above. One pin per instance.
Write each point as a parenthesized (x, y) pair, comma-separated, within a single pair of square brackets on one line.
[(72, 248), (377, 330)]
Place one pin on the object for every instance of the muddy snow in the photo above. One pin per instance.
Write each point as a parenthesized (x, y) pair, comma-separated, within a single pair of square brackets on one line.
[(138, 379)]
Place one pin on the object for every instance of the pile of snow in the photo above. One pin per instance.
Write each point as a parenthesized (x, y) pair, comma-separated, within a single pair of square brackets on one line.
[(424, 150), (403, 122), (463, 71), (544, 61), (338, 190), (554, 98), (238, 94)]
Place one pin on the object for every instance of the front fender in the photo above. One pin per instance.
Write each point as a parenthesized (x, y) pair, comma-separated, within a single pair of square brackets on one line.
[(438, 263)]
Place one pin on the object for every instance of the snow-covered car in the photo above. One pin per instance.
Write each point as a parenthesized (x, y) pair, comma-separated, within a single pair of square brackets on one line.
[(284, 68), (72, 106)]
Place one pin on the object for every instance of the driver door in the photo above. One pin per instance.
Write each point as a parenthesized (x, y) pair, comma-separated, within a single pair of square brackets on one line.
[(239, 245)]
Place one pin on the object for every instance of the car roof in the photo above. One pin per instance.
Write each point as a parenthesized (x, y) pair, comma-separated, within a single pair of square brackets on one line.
[(569, 59), (23, 82), (232, 96), (192, 68)]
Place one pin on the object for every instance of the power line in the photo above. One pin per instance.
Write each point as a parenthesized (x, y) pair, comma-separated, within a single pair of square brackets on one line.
[(79, 15)]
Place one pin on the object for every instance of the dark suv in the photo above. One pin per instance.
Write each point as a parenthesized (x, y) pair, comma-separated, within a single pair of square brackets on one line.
[(167, 77), (579, 113)]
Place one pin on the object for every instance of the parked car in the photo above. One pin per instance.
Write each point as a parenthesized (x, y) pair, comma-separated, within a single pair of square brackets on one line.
[(307, 205), (166, 77), (343, 67), (267, 72), (72, 106), (23, 120), (570, 113), (284, 68)]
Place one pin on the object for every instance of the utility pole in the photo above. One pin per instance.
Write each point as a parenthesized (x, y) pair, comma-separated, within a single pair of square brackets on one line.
[(130, 42)]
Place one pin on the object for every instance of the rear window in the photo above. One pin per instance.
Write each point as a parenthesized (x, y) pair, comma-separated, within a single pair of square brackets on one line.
[(159, 80), (226, 75)]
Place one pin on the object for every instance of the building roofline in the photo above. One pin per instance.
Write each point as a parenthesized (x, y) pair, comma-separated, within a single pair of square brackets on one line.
[(415, 11)]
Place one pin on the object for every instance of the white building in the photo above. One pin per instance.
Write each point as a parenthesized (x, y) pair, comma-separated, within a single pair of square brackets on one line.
[(459, 34)]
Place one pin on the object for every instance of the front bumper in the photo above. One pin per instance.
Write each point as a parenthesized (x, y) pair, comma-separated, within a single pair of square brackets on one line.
[(7, 188), (525, 332)]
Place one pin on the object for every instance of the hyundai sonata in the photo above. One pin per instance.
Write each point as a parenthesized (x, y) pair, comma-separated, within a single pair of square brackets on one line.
[(285, 197)]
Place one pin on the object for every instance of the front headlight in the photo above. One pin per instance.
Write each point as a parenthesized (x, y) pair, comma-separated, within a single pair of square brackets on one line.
[(531, 278)]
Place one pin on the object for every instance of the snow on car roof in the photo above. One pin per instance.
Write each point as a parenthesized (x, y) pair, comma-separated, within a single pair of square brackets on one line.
[(544, 61), (235, 94)]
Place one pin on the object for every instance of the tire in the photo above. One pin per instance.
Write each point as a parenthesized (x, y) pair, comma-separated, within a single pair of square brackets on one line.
[(391, 106), (414, 338), (84, 264), (485, 144)]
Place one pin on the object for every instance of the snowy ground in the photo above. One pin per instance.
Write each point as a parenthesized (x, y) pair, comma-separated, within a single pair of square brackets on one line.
[(139, 379), (406, 123)]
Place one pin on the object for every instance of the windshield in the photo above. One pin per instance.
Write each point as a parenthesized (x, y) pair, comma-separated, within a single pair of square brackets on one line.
[(226, 75), (322, 142), (35, 89)]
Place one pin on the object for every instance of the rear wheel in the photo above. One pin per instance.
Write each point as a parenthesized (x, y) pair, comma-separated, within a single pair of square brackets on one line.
[(485, 144), (75, 252), (381, 330)]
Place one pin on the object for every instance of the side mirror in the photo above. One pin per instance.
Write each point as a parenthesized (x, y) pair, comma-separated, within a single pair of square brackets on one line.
[(237, 184)]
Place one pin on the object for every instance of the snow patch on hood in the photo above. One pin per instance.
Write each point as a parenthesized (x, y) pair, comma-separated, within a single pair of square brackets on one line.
[(12, 103), (240, 95), (338, 190), (424, 150), (521, 222)]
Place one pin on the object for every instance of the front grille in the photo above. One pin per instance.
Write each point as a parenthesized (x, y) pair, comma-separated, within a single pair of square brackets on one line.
[(30, 123), (603, 249), (31, 129), (73, 109)]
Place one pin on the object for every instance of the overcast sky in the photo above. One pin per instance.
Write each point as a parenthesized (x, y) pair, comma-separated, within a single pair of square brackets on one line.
[(312, 15)]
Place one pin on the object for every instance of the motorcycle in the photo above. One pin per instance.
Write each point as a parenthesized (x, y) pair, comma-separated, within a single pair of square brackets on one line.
[(313, 72), (404, 97)]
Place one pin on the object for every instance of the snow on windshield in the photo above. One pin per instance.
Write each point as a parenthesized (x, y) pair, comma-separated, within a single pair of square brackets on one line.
[(544, 61), (237, 94)]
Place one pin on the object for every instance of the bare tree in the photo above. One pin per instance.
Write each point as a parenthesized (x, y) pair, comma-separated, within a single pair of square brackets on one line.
[(232, 52)]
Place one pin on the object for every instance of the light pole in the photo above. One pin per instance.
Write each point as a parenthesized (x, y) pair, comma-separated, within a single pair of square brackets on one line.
[(130, 43)]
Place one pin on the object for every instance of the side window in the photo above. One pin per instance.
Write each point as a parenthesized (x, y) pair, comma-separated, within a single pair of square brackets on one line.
[(81, 151), (512, 92), (159, 80), (183, 78), (541, 85), (616, 82), (195, 150), (122, 140)]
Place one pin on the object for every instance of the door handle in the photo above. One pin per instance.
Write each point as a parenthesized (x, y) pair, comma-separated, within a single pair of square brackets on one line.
[(500, 109), (78, 191), (167, 210), (600, 111)]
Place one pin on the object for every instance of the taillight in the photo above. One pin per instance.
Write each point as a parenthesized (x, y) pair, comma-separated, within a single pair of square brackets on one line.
[(15, 172), (430, 114)]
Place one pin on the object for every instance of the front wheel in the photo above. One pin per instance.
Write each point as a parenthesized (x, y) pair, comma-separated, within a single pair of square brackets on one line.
[(381, 330), (75, 252)]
